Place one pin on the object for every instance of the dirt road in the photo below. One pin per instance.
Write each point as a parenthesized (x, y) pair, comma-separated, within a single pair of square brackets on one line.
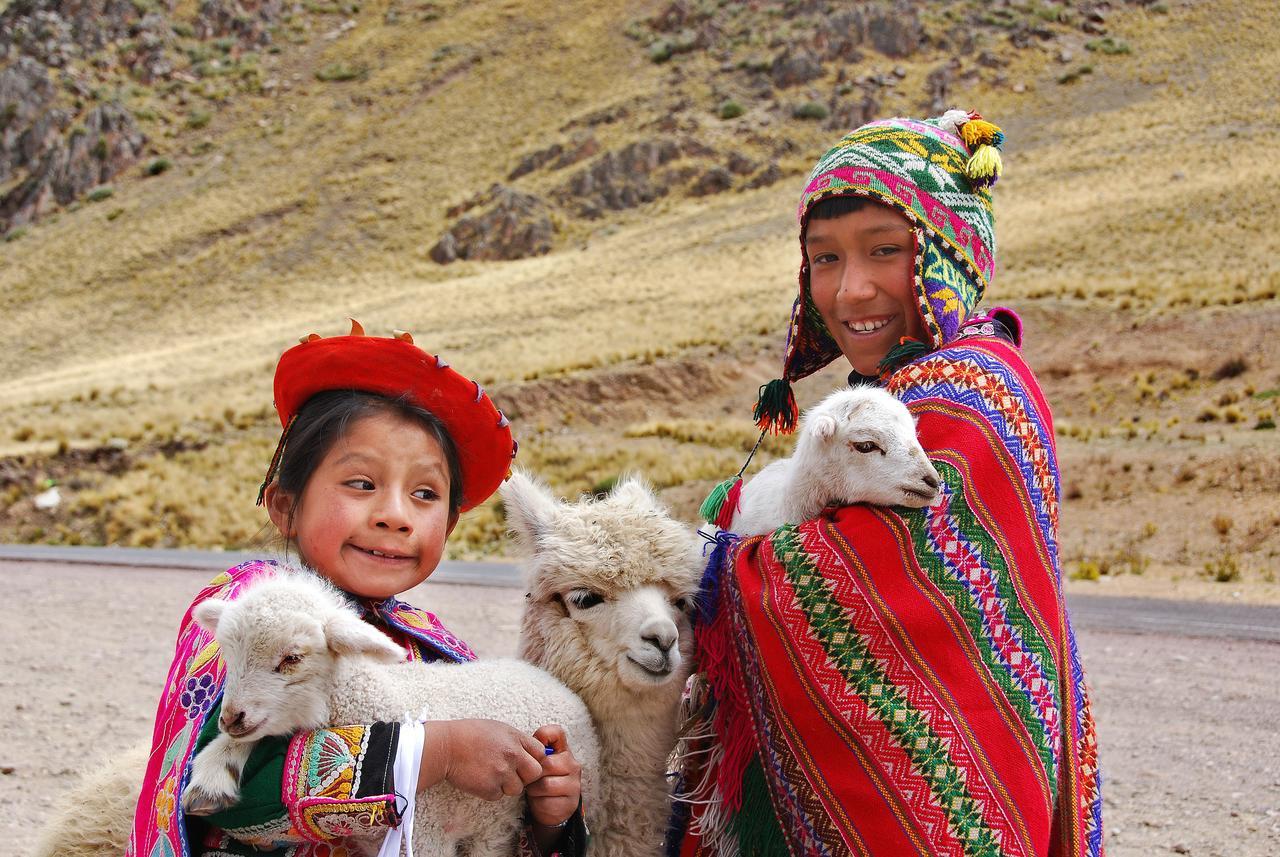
[(1190, 748)]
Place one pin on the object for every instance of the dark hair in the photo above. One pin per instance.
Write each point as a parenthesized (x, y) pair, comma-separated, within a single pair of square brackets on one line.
[(838, 206), (326, 417)]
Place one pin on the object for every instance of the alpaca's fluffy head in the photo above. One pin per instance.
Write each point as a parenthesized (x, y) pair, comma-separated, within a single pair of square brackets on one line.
[(864, 441), (611, 583), (280, 640)]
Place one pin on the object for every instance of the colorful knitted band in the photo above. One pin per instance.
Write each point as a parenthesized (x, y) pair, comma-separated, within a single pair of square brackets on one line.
[(937, 172), (397, 368)]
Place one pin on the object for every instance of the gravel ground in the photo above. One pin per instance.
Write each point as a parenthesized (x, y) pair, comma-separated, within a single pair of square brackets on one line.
[(1190, 753)]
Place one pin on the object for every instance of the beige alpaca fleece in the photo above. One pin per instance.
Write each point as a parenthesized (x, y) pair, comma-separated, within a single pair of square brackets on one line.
[(644, 569)]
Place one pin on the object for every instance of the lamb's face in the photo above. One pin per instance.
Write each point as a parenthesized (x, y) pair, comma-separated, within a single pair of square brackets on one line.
[(611, 586), (866, 440), (279, 641)]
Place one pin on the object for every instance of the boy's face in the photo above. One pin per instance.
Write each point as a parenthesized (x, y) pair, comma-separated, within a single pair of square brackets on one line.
[(861, 273), (374, 516)]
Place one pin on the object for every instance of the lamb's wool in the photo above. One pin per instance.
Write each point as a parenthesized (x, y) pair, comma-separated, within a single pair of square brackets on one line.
[(194, 682), (361, 687)]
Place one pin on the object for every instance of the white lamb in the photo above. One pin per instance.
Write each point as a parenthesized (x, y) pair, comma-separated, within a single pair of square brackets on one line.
[(611, 585), (858, 445), (298, 657)]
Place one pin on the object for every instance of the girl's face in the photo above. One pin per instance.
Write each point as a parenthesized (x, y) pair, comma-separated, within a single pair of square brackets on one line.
[(374, 516), (861, 277)]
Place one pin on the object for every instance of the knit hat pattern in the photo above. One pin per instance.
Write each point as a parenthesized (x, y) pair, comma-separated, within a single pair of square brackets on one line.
[(938, 174)]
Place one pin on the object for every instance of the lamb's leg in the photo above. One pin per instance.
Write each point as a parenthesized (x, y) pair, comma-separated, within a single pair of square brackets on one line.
[(215, 776)]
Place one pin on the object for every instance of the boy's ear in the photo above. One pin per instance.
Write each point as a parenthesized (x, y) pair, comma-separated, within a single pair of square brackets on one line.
[(348, 634), (279, 505), (208, 612)]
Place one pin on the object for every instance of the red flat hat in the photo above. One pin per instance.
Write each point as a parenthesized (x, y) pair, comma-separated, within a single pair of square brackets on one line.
[(396, 367)]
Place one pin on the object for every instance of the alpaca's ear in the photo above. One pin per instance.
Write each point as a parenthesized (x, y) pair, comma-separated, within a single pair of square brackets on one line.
[(823, 426), (634, 491), (208, 612), (530, 508), (348, 634)]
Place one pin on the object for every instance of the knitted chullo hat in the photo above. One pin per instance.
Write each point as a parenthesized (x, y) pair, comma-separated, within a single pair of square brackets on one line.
[(938, 173)]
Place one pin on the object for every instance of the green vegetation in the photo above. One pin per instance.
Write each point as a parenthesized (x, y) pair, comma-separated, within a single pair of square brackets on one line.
[(339, 71), (730, 109)]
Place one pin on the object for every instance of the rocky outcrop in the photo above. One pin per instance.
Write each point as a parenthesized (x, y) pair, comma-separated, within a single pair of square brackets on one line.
[(621, 179), (55, 32), (513, 226), (104, 143), (249, 21), (557, 156)]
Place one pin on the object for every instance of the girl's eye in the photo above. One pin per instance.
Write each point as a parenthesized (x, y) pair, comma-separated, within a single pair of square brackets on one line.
[(426, 494), (287, 663), (822, 259), (360, 484), (585, 599), (889, 250), (866, 446)]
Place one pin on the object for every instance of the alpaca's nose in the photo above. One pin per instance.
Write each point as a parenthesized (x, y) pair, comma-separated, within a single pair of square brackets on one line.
[(660, 641)]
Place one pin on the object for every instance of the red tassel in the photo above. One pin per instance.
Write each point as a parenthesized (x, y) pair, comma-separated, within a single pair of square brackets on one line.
[(730, 506)]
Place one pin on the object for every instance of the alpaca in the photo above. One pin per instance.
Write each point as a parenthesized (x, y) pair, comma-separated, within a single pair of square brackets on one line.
[(299, 656), (611, 584), (858, 445)]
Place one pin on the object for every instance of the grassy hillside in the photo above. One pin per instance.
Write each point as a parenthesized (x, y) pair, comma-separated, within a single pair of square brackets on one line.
[(1136, 236)]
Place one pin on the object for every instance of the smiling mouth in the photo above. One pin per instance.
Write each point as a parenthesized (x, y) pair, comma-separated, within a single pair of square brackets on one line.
[(864, 327), (380, 554)]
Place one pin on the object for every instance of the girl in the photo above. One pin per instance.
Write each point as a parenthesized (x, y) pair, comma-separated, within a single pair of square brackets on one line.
[(900, 681), (383, 447)]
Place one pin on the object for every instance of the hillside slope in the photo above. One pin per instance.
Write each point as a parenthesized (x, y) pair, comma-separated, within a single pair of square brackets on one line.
[(1135, 219)]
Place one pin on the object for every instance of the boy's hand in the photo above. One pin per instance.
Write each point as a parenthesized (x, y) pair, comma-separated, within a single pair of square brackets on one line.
[(481, 757), (556, 795)]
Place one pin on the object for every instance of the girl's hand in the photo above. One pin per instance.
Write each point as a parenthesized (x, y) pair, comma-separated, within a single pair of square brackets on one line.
[(555, 796), (481, 757)]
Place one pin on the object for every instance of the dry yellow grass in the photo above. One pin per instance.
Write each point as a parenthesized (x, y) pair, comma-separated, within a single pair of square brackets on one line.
[(1146, 185)]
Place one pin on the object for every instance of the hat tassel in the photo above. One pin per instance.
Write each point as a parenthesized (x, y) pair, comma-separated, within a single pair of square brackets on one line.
[(722, 503), (776, 409)]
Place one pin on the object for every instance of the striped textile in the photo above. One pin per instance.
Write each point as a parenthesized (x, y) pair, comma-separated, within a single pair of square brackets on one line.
[(890, 682)]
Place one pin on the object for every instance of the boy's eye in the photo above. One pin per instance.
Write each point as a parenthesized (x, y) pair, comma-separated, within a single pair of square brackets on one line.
[(886, 251), (585, 599), (288, 662)]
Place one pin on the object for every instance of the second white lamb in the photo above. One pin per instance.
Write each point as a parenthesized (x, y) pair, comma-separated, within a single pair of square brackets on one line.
[(858, 445)]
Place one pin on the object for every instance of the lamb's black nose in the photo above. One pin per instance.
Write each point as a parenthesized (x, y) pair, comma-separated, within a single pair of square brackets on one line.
[(931, 481)]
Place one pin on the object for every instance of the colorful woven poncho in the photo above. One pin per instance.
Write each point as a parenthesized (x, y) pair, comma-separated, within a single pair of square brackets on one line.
[(892, 681)]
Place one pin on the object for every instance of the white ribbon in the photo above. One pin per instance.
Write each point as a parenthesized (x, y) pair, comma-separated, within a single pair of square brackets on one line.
[(408, 761)]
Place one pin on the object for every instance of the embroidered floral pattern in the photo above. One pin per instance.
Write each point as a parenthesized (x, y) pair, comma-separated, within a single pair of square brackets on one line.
[(197, 696)]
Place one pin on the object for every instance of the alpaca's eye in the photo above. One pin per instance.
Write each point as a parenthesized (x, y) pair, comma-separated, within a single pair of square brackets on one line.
[(585, 598), (866, 446), (683, 604), (287, 663)]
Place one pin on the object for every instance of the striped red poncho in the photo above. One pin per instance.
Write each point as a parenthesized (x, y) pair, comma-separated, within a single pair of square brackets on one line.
[(888, 681)]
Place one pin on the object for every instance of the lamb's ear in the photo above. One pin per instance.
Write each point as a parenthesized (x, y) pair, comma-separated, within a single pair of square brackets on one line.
[(530, 508), (823, 426), (347, 634), (208, 612)]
